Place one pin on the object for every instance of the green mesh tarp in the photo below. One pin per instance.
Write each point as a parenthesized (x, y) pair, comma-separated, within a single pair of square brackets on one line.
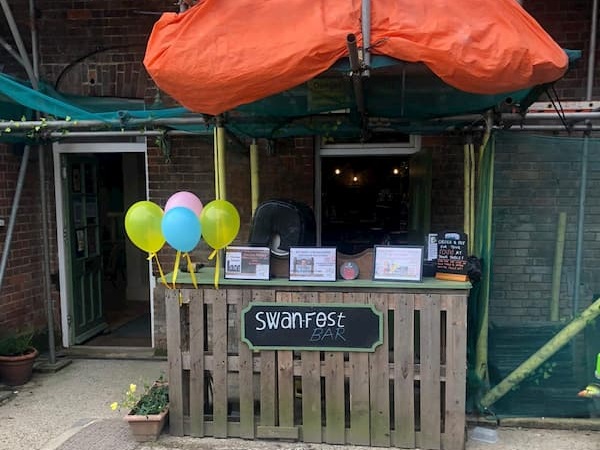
[(535, 180), (398, 97), (19, 100)]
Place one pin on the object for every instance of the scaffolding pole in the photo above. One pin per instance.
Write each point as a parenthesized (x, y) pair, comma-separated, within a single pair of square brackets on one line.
[(13, 213), (254, 176), (509, 121), (366, 32), (584, 165)]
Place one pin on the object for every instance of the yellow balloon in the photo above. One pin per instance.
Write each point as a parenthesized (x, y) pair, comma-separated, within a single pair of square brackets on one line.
[(220, 223), (143, 226)]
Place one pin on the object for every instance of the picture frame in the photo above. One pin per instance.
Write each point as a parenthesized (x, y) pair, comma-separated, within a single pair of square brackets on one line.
[(398, 263), (313, 264), (247, 263)]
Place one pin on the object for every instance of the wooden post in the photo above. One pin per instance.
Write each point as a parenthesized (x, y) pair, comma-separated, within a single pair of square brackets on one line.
[(285, 378), (268, 395), (430, 371), (456, 370), (404, 369), (197, 387), (380, 379), (246, 378), (334, 386), (175, 364), (311, 385), (220, 397), (360, 420)]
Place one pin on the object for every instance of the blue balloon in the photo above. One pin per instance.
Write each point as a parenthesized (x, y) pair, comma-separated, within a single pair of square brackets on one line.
[(181, 228)]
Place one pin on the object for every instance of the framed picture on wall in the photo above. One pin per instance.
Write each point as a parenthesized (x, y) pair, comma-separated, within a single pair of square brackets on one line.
[(398, 263)]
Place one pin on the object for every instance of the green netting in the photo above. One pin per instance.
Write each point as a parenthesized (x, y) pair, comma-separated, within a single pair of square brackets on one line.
[(535, 179), (398, 97), (19, 100)]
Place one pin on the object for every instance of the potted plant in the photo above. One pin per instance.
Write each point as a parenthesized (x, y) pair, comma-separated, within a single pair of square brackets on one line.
[(17, 356), (148, 410)]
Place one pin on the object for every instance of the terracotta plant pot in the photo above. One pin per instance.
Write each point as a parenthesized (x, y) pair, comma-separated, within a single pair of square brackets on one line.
[(16, 370), (147, 428)]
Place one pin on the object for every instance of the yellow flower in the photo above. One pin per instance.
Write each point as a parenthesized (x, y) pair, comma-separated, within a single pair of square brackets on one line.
[(148, 398)]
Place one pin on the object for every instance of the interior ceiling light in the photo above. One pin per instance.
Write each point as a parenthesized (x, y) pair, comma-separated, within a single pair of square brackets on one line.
[(338, 171)]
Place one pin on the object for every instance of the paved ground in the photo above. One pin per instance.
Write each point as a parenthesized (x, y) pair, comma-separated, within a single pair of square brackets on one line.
[(69, 410)]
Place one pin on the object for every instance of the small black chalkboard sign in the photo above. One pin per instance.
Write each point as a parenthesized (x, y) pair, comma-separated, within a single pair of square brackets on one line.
[(451, 256), (307, 326)]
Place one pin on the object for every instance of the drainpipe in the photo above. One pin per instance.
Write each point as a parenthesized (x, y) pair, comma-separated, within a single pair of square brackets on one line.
[(584, 162), (356, 72)]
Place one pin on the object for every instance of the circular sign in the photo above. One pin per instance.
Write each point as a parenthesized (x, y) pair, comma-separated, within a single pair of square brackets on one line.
[(349, 270)]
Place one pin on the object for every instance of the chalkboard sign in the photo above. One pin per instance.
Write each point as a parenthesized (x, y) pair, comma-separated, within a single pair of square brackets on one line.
[(308, 326), (452, 255)]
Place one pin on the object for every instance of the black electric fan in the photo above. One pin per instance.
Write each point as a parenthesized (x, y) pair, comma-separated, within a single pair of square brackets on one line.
[(281, 224)]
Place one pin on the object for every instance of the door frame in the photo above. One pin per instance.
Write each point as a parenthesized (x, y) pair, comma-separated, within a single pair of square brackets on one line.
[(87, 147)]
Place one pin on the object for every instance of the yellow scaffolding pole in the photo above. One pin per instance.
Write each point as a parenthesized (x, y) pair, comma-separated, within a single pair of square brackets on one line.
[(221, 160), (546, 351), (254, 175)]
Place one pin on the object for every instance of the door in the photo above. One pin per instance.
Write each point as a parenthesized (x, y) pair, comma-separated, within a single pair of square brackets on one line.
[(82, 246)]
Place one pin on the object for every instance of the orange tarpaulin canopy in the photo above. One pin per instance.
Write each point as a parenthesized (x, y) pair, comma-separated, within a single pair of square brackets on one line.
[(224, 53)]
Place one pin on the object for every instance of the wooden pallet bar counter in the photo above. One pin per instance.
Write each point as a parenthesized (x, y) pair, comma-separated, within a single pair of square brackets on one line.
[(408, 392)]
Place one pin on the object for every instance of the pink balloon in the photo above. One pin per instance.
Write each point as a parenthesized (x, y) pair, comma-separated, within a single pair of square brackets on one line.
[(186, 200)]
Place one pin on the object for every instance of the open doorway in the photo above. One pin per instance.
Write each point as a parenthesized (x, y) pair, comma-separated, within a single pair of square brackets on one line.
[(105, 280), (365, 201)]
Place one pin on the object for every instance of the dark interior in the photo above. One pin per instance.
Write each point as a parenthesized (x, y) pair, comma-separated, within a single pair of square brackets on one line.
[(365, 202)]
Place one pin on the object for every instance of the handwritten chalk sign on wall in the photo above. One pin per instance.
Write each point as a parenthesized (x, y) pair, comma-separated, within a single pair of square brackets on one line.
[(452, 256), (307, 326)]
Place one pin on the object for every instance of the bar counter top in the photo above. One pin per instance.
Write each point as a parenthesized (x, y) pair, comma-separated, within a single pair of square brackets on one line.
[(206, 277)]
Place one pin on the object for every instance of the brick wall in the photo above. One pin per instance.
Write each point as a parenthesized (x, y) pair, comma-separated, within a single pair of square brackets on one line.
[(536, 178), (22, 295), (568, 22), (96, 48), (286, 171), (447, 183), (99, 47)]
